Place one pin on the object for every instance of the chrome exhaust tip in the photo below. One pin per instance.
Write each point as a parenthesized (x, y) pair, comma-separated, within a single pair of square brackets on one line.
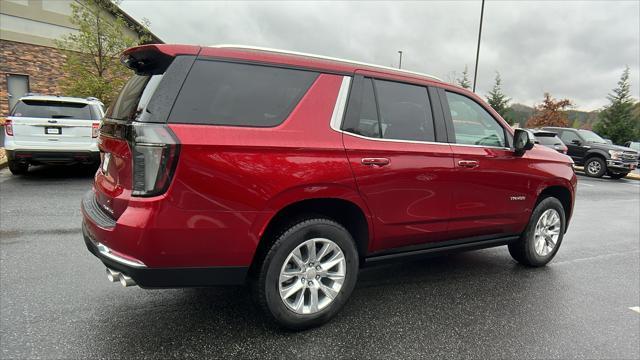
[(112, 275), (126, 281)]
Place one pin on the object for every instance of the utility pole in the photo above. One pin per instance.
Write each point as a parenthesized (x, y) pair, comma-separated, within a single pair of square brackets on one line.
[(400, 63), (475, 73)]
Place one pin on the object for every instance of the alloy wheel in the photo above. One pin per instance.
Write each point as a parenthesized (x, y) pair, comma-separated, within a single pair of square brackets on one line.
[(547, 232), (594, 167), (312, 276)]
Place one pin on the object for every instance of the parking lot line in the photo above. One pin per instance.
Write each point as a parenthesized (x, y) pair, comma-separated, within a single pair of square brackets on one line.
[(635, 308)]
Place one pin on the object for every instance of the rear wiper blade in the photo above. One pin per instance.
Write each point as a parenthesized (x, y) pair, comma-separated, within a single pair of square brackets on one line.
[(61, 116)]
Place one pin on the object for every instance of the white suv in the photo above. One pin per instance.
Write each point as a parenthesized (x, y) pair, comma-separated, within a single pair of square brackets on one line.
[(52, 130)]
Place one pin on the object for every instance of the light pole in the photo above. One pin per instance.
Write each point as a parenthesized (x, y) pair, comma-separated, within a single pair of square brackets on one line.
[(475, 73), (400, 63)]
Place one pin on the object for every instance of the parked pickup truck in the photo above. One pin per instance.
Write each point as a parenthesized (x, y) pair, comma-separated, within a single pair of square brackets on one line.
[(598, 157)]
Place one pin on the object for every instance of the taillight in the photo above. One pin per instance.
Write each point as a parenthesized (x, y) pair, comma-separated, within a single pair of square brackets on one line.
[(155, 156), (8, 127), (95, 130)]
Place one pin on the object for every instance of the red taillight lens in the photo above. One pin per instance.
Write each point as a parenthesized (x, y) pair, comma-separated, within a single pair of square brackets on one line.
[(8, 127), (95, 130), (155, 156)]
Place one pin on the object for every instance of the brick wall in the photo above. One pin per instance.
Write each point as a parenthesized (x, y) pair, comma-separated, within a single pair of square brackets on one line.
[(42, 64)]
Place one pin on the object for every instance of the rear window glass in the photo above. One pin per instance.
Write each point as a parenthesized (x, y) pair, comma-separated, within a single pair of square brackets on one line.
[(223, 93), (53, 110), (548, 139), (133, 97)]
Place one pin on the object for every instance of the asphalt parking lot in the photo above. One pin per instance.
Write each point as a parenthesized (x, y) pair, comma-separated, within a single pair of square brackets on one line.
[(55, 301)]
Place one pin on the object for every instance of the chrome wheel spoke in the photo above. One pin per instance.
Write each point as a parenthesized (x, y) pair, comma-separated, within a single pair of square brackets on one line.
[(291, 289), (328, 291), (333, 261), (313, 303)]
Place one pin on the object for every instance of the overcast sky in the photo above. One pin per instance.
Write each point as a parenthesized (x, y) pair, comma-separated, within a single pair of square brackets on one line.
[(572, 49)]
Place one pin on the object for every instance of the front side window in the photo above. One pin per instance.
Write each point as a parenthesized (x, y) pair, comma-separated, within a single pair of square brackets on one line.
[(592, 137), (472, 124), (225, 93)]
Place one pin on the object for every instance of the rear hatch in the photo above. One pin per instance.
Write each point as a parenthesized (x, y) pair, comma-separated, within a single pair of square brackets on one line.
[(53, 124), (139, 152)]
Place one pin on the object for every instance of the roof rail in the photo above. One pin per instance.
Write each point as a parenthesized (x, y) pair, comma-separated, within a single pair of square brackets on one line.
[(32, 94), (92, 98), (321, 57)]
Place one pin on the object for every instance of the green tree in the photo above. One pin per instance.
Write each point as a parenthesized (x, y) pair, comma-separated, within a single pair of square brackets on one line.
[(464, 80), (617, 121), (92, 64), (498, 100)]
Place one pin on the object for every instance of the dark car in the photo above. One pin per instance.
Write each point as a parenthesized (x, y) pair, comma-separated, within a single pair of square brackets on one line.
[(288, 172), (635, 145), (598, 157), (550, 140)]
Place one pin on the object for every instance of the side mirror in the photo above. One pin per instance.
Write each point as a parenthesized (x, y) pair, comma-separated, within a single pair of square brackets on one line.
[(523, 140), (576, 142)]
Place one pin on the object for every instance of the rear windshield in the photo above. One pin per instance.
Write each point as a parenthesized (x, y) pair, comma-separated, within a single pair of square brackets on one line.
[(548, 139), (133, 97), (224, 93), (54, 110)]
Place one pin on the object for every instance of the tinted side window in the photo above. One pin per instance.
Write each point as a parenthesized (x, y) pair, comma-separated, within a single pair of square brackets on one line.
[(367, 123), (472, 124), (405, 111), (223, 93), (568, 136)]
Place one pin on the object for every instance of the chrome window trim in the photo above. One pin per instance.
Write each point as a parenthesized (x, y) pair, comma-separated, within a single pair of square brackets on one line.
[(337, 117)]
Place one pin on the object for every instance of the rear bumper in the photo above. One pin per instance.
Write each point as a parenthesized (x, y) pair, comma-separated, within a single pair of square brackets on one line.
[(167, 277), (54, 157), (97, 222)]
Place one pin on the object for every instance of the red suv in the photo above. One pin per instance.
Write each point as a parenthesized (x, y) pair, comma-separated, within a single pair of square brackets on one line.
[(286, 171)]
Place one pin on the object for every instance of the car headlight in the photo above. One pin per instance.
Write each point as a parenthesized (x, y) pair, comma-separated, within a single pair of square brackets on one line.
[(615, 154)]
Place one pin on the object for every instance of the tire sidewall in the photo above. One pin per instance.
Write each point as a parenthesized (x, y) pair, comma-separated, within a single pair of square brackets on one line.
[(280, 251), (603, 167), (530, 251)]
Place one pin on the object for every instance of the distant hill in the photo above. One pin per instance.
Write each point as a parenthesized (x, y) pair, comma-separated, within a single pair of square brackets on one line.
[(520, 113)]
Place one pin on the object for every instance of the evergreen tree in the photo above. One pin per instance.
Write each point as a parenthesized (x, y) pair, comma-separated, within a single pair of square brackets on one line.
[(617, 121), (464, 80), (498, 100)]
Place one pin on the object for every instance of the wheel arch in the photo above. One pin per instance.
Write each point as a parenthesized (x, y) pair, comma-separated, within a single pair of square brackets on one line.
[(345, 212), (563, 194)]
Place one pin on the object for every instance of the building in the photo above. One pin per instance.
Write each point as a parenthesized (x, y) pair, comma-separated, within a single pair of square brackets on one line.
[(29, 58)]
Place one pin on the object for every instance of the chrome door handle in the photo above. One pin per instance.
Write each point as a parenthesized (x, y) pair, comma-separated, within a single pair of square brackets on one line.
[(468, 163), (375, 161)]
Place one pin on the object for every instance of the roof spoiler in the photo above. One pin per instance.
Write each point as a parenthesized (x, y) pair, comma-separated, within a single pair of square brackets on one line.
[(154, 59)]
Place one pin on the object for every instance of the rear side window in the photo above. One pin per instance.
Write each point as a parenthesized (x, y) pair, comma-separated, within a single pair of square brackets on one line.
[(224, 93), (133, 97), (401, 112), (53, 110), (405, 112)]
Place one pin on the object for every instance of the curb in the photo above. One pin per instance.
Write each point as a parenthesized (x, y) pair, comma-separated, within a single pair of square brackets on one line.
[(4, 163), (630, 176)]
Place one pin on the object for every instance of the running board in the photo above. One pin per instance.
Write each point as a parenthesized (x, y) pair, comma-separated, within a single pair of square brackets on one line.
[(445, 247)]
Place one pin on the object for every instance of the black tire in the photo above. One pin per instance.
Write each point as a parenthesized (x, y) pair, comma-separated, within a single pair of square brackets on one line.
[(18, 168), (266, 285), (523, 249), (597, 169), (618, 175)]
